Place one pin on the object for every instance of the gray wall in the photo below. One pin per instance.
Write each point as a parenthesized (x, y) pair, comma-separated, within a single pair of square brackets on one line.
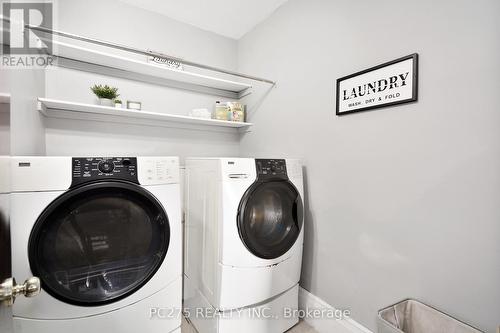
[(118, 22), (404, 201), (4, 129), (4, 114)]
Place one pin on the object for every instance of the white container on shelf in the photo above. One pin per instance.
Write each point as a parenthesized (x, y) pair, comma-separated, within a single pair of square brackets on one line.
[(106, 102)]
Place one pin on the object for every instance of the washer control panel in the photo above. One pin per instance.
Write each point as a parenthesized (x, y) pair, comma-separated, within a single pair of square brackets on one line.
[(271, 168), (88, 169)]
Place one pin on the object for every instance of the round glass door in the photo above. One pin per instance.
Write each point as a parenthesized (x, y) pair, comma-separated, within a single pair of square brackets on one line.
[(270, 218), (99, 243)]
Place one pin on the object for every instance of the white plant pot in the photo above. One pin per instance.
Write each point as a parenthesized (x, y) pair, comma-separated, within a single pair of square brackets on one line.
[(106, 102), (118, 105)]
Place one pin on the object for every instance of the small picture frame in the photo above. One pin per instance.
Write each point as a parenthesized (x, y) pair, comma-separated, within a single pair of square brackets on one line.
[(392, 83), (132, 105)]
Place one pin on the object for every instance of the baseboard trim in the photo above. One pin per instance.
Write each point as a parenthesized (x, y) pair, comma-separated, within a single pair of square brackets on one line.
[(325, 325)]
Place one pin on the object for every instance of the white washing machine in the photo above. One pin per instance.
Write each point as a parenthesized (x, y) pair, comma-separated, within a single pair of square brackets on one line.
[(243, 244), (104, 236)]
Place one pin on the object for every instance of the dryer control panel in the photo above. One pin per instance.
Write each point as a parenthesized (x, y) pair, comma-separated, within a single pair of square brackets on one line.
[(158, 170), (271, 168), (87, 169)]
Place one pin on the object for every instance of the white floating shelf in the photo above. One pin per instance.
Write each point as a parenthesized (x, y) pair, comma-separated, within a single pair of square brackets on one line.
[(141, 69), (69, 110), (4, 98)]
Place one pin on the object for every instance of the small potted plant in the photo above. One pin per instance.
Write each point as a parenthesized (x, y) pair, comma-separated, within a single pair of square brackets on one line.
[(106, 94), (118, 103)]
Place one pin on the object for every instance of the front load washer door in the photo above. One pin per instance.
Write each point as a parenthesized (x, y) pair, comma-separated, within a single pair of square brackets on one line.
[(270, 218), (99, 242)]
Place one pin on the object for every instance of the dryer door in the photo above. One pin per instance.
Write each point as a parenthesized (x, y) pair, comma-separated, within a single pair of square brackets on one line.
[(99, 243), (270, 218)]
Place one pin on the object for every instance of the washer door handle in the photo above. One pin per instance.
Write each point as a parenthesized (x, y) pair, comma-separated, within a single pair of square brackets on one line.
[(9, 289)]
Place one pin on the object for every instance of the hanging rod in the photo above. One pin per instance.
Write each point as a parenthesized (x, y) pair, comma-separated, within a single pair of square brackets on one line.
[(148, 53)]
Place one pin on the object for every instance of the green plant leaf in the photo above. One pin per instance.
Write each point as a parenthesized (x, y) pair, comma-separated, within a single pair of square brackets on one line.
[(105, 91)]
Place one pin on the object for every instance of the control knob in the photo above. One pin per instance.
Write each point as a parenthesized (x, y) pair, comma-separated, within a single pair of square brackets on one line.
[(106, 166)]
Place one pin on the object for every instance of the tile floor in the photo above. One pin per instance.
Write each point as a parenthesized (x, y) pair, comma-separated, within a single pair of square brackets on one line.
[(302, 327)]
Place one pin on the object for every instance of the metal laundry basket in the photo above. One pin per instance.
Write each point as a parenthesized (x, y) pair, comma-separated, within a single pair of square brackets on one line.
[(411, 316)]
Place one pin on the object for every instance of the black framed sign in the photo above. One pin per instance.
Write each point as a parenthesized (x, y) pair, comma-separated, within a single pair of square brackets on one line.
[(391, 83)]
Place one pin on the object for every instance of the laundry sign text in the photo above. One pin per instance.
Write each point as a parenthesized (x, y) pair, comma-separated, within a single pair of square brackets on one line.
[(171, 63), (391, 83)]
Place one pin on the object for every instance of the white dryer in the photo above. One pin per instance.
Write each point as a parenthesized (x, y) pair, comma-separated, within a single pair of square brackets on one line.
[(5, 265), (243, 243), (4, 215), (104, 236)]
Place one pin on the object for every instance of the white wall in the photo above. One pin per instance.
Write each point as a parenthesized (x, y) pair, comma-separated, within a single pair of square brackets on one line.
[(89, 138), (23, 85), (27, 126), (401, 202), (115, 21)]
